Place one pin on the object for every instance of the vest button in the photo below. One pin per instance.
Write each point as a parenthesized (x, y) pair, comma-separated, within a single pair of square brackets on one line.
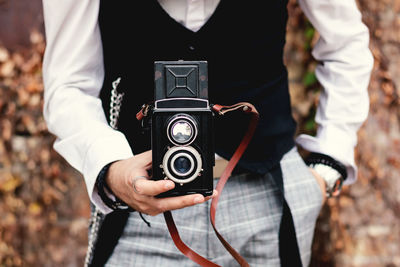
[(191, 47)]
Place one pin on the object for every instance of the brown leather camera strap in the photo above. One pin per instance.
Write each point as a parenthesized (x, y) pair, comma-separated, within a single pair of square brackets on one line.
[(221, 110)]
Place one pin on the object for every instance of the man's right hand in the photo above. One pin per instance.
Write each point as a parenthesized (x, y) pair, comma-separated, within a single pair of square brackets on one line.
[(141, 195)]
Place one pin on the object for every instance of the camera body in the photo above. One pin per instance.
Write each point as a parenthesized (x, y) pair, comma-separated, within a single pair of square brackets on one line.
[(182, 134)]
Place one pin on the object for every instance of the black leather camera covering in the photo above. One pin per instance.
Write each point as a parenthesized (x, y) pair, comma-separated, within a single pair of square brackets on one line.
[(181, 88)]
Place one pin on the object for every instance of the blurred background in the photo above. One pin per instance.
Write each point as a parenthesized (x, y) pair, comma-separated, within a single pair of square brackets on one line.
[(44, 207)]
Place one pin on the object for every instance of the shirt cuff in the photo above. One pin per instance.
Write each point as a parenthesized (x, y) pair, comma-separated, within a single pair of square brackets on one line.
[(335, 142), (101, 152)]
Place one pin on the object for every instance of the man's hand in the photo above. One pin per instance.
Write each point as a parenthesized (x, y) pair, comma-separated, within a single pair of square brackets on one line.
[(321, 184), (141, 195)]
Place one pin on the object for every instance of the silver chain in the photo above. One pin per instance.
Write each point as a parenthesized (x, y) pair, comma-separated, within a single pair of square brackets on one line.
[(94, 226), (97, 216), (115, 103)]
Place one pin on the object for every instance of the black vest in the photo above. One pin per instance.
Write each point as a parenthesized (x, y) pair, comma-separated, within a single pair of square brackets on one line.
[(243, 45)]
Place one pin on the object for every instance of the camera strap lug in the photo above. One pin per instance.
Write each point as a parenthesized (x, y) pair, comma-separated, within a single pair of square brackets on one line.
[(221, 110), (143, 112), (143, 116)]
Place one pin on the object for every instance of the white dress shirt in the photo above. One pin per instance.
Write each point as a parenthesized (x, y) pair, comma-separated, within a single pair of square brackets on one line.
[(73, 74)]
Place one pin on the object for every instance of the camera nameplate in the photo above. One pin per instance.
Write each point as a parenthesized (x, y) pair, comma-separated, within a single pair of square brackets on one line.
[(183, 103)]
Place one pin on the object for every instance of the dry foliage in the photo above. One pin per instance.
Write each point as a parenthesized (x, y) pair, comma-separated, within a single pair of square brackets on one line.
[(44, 205), (44, 211)]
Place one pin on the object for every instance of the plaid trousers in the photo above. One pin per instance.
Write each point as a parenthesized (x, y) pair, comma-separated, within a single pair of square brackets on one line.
[(248, 217)]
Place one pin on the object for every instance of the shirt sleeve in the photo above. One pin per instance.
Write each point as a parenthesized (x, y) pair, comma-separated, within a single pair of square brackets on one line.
[(73, 74), (344, 68)]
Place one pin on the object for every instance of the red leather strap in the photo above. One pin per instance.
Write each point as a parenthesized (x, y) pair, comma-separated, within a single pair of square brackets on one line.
[(188, 252), (248, 108)]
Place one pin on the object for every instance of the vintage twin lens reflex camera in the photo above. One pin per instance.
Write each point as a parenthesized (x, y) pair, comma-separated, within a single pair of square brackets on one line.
[(182, 136)]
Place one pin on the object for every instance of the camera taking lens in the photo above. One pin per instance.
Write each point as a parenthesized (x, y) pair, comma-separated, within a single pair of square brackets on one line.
[(182, 164)]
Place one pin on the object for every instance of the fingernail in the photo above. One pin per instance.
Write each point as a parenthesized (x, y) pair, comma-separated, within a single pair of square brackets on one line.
[(168, 185), (198, 199)]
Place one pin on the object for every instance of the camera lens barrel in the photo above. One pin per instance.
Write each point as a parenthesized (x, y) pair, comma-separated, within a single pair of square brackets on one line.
[(182, 164)]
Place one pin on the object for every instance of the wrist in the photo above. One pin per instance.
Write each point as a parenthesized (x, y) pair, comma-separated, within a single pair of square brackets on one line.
[(331, 171), (106, 193), (109, 180)]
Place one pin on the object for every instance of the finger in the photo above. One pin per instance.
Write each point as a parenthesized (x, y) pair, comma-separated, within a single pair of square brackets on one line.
[(135, 179), (173, 203), (215, 193), (144, 159), (146, 154), (152, 188)]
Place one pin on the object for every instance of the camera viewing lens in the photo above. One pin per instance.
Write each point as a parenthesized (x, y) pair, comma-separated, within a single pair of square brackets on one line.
[(182, 129)]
